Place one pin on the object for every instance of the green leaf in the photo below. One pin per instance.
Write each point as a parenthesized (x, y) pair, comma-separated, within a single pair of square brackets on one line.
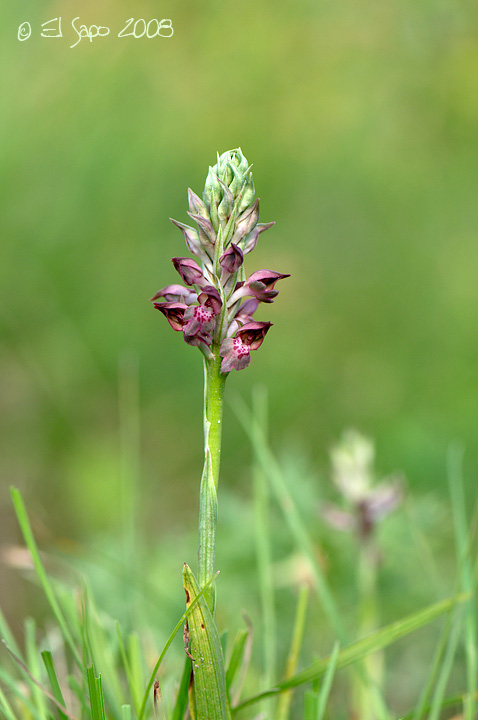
[(237, 655), (208, 662), (54, 684), (181, 704), (25, 527), (327, 684), (357, 651), (180, 622), (6, 707), (95, 689), (293, 657), (38, 684)]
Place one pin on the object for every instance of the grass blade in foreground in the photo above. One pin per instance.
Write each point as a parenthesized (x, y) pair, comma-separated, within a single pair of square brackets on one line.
[(54, 684), (292, 660), (169, 641), (40, 570), (206, 651), (357, 651)]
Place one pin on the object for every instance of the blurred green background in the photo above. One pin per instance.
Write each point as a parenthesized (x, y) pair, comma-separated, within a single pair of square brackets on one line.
[(361, 120)]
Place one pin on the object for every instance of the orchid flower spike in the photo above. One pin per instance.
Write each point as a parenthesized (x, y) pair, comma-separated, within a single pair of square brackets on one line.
[(215, 307)]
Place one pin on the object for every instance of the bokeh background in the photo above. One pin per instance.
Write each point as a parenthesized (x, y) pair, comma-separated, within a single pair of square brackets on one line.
[(361, 120)]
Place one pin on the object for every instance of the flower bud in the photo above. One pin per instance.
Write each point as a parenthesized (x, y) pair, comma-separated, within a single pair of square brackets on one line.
[(229, 184)]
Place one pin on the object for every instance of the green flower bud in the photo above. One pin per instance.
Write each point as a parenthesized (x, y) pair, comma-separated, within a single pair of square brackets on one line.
[(229, 185)]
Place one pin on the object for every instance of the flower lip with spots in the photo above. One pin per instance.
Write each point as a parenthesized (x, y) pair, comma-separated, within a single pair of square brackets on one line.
[(235, 351)]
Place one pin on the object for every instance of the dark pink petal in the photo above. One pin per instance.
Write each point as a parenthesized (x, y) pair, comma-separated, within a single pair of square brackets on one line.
[(173, 312), (190, 271), (235, 355), (259, 285), (268, 277), (199, 320), (210, 298), (246, 311), (176, 293), (198, 339), (236, 351), (232, 259), (244, 315), (253, 333)]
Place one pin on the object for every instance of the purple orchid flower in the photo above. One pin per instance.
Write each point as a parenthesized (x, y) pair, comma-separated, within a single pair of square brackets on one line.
[(201, 319), (259, 285), (235, 351), (176, 293), (190, 271), (173, 312), (245, 314), (231, 261)]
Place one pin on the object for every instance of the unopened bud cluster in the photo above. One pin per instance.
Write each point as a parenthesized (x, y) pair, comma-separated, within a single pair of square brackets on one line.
[(215, 307)]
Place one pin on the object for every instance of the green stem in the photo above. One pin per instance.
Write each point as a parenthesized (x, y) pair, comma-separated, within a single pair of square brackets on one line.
[(368, 623), (214, 381)]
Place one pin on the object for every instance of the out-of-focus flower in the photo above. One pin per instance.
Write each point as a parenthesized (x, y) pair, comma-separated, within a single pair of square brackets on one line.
[(366, 502)]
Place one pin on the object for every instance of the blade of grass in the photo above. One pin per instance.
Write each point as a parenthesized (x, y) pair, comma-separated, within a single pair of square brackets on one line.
[(103, 655), (272, 470), (446, 668), (133, 687), (238, 648), (357, 651), (446, 702), (136, 665), (78, 688), (311, 704), (33, 655), (27, 672), (293, 657), (328, 680), (6, 633), (263, 549), (207, 659), (54, 684), (299, 532), (246, 659), (181, 703), (95, 691), (6, 707), (179, 624), (30, 542), (17, 689), (129, 431), (463, 540)]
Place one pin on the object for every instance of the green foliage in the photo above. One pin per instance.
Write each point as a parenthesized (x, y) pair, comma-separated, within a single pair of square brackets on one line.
[(111, 673)]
